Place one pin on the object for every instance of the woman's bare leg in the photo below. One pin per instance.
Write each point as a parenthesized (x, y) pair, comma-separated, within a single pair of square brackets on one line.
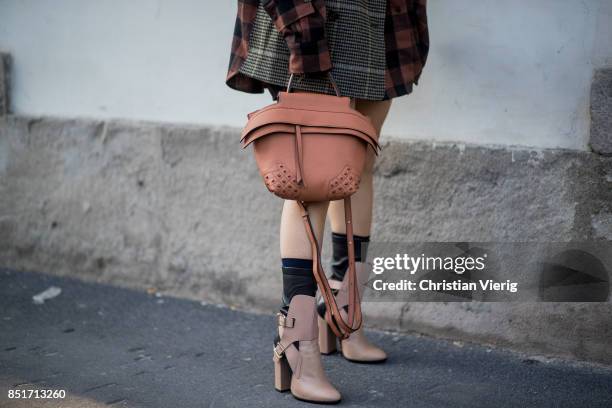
[(294, 242), (361, 201)]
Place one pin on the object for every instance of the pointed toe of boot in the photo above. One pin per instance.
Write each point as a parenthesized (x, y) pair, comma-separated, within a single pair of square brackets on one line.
[(357, 348), (328, 395), (311, 384), (378, 355), (321, 392), (370, 355)]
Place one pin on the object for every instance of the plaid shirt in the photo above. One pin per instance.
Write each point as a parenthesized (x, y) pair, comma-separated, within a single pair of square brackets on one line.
[(302, 23)]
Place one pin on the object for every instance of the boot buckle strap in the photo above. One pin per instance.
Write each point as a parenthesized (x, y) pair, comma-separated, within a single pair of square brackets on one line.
[(279, 351), (282, 320)]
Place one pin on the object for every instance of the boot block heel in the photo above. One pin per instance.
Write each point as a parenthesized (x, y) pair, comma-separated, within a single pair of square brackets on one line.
[(282, 375), (327, 338)]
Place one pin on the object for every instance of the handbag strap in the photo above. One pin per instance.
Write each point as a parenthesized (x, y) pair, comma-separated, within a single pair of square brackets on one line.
[(339, 327), (333, 317), (331, 79)]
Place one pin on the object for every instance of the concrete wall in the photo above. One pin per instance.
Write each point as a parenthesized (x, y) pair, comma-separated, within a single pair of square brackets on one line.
[(601, 112), (182, 208), (500, 72)]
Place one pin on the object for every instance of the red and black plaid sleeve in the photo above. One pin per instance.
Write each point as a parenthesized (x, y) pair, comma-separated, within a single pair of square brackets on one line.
[(422, 29), (406, 45), (302, 24), (245, 17)]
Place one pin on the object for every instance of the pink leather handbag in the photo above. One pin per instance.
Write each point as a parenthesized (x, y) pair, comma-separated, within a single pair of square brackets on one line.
[(311, 147)]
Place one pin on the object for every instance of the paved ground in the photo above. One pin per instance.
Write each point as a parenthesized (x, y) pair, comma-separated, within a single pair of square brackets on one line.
[(114, 347)]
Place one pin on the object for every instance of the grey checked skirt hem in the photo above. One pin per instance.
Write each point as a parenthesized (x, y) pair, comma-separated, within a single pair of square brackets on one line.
[(355, 33)]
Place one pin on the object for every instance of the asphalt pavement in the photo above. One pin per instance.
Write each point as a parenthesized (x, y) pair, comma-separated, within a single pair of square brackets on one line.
[(106, 346)]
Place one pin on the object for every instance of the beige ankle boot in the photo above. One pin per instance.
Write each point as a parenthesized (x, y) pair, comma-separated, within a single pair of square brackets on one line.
[(357, 347), (297, 358)]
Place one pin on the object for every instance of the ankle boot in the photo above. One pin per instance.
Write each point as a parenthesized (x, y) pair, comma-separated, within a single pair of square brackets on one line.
[(297, 358), (357, 347)]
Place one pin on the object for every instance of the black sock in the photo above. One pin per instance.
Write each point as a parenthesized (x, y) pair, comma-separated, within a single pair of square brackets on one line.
[(340, 253), (297, 280)]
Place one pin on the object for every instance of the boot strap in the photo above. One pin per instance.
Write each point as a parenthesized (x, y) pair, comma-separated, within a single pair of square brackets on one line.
[(333, 317), (279, 351), (284, 321), (299, 324)]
